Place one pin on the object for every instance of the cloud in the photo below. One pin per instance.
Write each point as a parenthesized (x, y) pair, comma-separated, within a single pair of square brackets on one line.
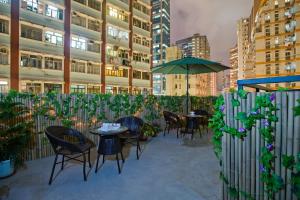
[(214, 18)]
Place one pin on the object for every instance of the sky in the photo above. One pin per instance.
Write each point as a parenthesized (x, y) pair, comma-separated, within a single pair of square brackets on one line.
[(214, 18)]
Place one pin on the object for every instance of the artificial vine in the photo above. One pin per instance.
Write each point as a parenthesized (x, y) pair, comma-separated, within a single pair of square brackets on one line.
[(264, 111)]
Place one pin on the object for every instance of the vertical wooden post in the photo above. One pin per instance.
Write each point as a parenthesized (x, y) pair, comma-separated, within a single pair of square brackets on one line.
[(67, 47), (15, 46), (103, 47)]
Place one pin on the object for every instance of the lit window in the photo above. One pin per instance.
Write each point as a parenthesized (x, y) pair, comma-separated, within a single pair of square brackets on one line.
[(79, 43), (113, 12), (54, 38), (54, 12)]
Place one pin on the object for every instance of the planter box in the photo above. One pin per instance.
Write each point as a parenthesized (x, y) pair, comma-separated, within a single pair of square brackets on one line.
[(6, 168)]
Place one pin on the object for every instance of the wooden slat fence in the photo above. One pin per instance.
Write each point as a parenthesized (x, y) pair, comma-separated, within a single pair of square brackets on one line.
[(241, 158)]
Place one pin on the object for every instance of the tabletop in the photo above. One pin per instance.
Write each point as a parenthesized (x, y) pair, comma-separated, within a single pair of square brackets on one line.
[(194, 116), (120, 130)]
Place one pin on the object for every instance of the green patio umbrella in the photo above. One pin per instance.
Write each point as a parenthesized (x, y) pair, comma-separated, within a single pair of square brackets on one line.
[(189, 65)]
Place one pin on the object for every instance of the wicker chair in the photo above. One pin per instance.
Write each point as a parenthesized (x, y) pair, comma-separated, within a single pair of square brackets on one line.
[(173, 121), (71, 144), (132, 136)]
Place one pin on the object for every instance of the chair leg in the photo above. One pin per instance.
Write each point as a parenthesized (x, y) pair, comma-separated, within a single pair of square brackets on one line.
[(123, 160), (89, 158), (98, 156), (62, 162), (84, 163), (165, 130), (53, 169), (177, 133), (103, 158), (119, 169), (169, 130), (137, 148)]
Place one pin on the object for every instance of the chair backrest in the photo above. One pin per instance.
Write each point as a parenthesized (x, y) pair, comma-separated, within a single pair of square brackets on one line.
[(167, 116), (201, 112), (134, 124), (62, 137)]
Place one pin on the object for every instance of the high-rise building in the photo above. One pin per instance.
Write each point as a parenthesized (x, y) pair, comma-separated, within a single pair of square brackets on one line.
[(273, 41), (233, 72), (242, 45), (198, 46), (76, 46), (161, 40)]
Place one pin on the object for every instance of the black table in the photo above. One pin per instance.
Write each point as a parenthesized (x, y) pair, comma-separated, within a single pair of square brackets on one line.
[(109, 144), (192, 122)]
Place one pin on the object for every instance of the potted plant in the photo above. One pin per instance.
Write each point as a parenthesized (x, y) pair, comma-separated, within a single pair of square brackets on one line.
[(148, 131), (15, 133)]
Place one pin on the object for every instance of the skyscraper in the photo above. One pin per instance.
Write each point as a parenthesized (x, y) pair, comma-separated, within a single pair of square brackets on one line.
[(161, 39), (198, 46), (242, 45), (76, 46), (233, 72)]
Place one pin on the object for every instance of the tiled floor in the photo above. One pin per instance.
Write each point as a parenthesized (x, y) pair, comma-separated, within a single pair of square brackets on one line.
[(168, 169)]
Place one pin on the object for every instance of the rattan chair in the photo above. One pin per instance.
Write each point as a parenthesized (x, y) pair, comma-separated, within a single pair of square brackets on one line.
[(132, 136), (71, 144), (173, 121)]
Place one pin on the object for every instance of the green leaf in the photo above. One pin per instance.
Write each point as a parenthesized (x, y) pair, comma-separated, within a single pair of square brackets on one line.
[(288, 162), (235, 102), (242, 94)]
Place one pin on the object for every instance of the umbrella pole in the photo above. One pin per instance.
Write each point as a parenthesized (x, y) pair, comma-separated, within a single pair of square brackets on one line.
[(187, 89)]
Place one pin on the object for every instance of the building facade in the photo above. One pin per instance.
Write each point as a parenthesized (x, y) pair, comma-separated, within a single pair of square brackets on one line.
[(198, 46), (161, 40), (273, 49), (233, 72), (242, 45), (87, 46)]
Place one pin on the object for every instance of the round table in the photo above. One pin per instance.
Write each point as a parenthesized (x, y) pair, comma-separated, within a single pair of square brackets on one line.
[(109, 144)]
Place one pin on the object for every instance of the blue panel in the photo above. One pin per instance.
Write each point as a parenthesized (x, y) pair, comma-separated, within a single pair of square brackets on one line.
[(280, 79)]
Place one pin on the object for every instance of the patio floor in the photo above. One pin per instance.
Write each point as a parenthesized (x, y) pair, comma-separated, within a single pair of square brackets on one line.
[(168, 169)]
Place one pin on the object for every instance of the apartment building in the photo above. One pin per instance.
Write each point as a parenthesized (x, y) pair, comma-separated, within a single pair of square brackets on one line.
[(274, 41), (86, 46), (161, 40), (233, 72), (198, 46), (242, 45)]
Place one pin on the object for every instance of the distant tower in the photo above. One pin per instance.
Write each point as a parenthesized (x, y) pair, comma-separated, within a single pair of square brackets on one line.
[(161, 39)]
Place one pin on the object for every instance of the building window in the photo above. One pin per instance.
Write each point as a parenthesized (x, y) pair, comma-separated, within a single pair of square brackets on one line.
[(123, 90), (146, 75), (78, 66), (140, 57), (49, 87), (81, 1), (116, 33), (268, 44), (116, 72), (54, 38), (276, 68), (78, 19), (35, 88), (78, 88), (276, 29), (276, 15), (137, 74), (31, 61), (31, 33), (268, 56), (93, 89), (113, 12), (79, 43), (3, 56), (93, 68), (288, 55), (95, 4), (137, 39), (93, 46), (123, 53), (54, 12), (33, 5), (4, 26), (276, 55), (267, 30), (268, 69), (111, 90), (94, 25), (53, 63)]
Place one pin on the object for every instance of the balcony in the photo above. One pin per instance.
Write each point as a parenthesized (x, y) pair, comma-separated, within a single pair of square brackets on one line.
[(122, 4), (141, 14), (140, 65), (5, 7), (141, 48), (141, 83), (117, 41), (117, 61), (141, 31), (85, 78), (84, 9), (117, 22)]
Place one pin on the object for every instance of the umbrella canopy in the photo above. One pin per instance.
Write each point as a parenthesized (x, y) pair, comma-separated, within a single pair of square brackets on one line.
[(189, 65)]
